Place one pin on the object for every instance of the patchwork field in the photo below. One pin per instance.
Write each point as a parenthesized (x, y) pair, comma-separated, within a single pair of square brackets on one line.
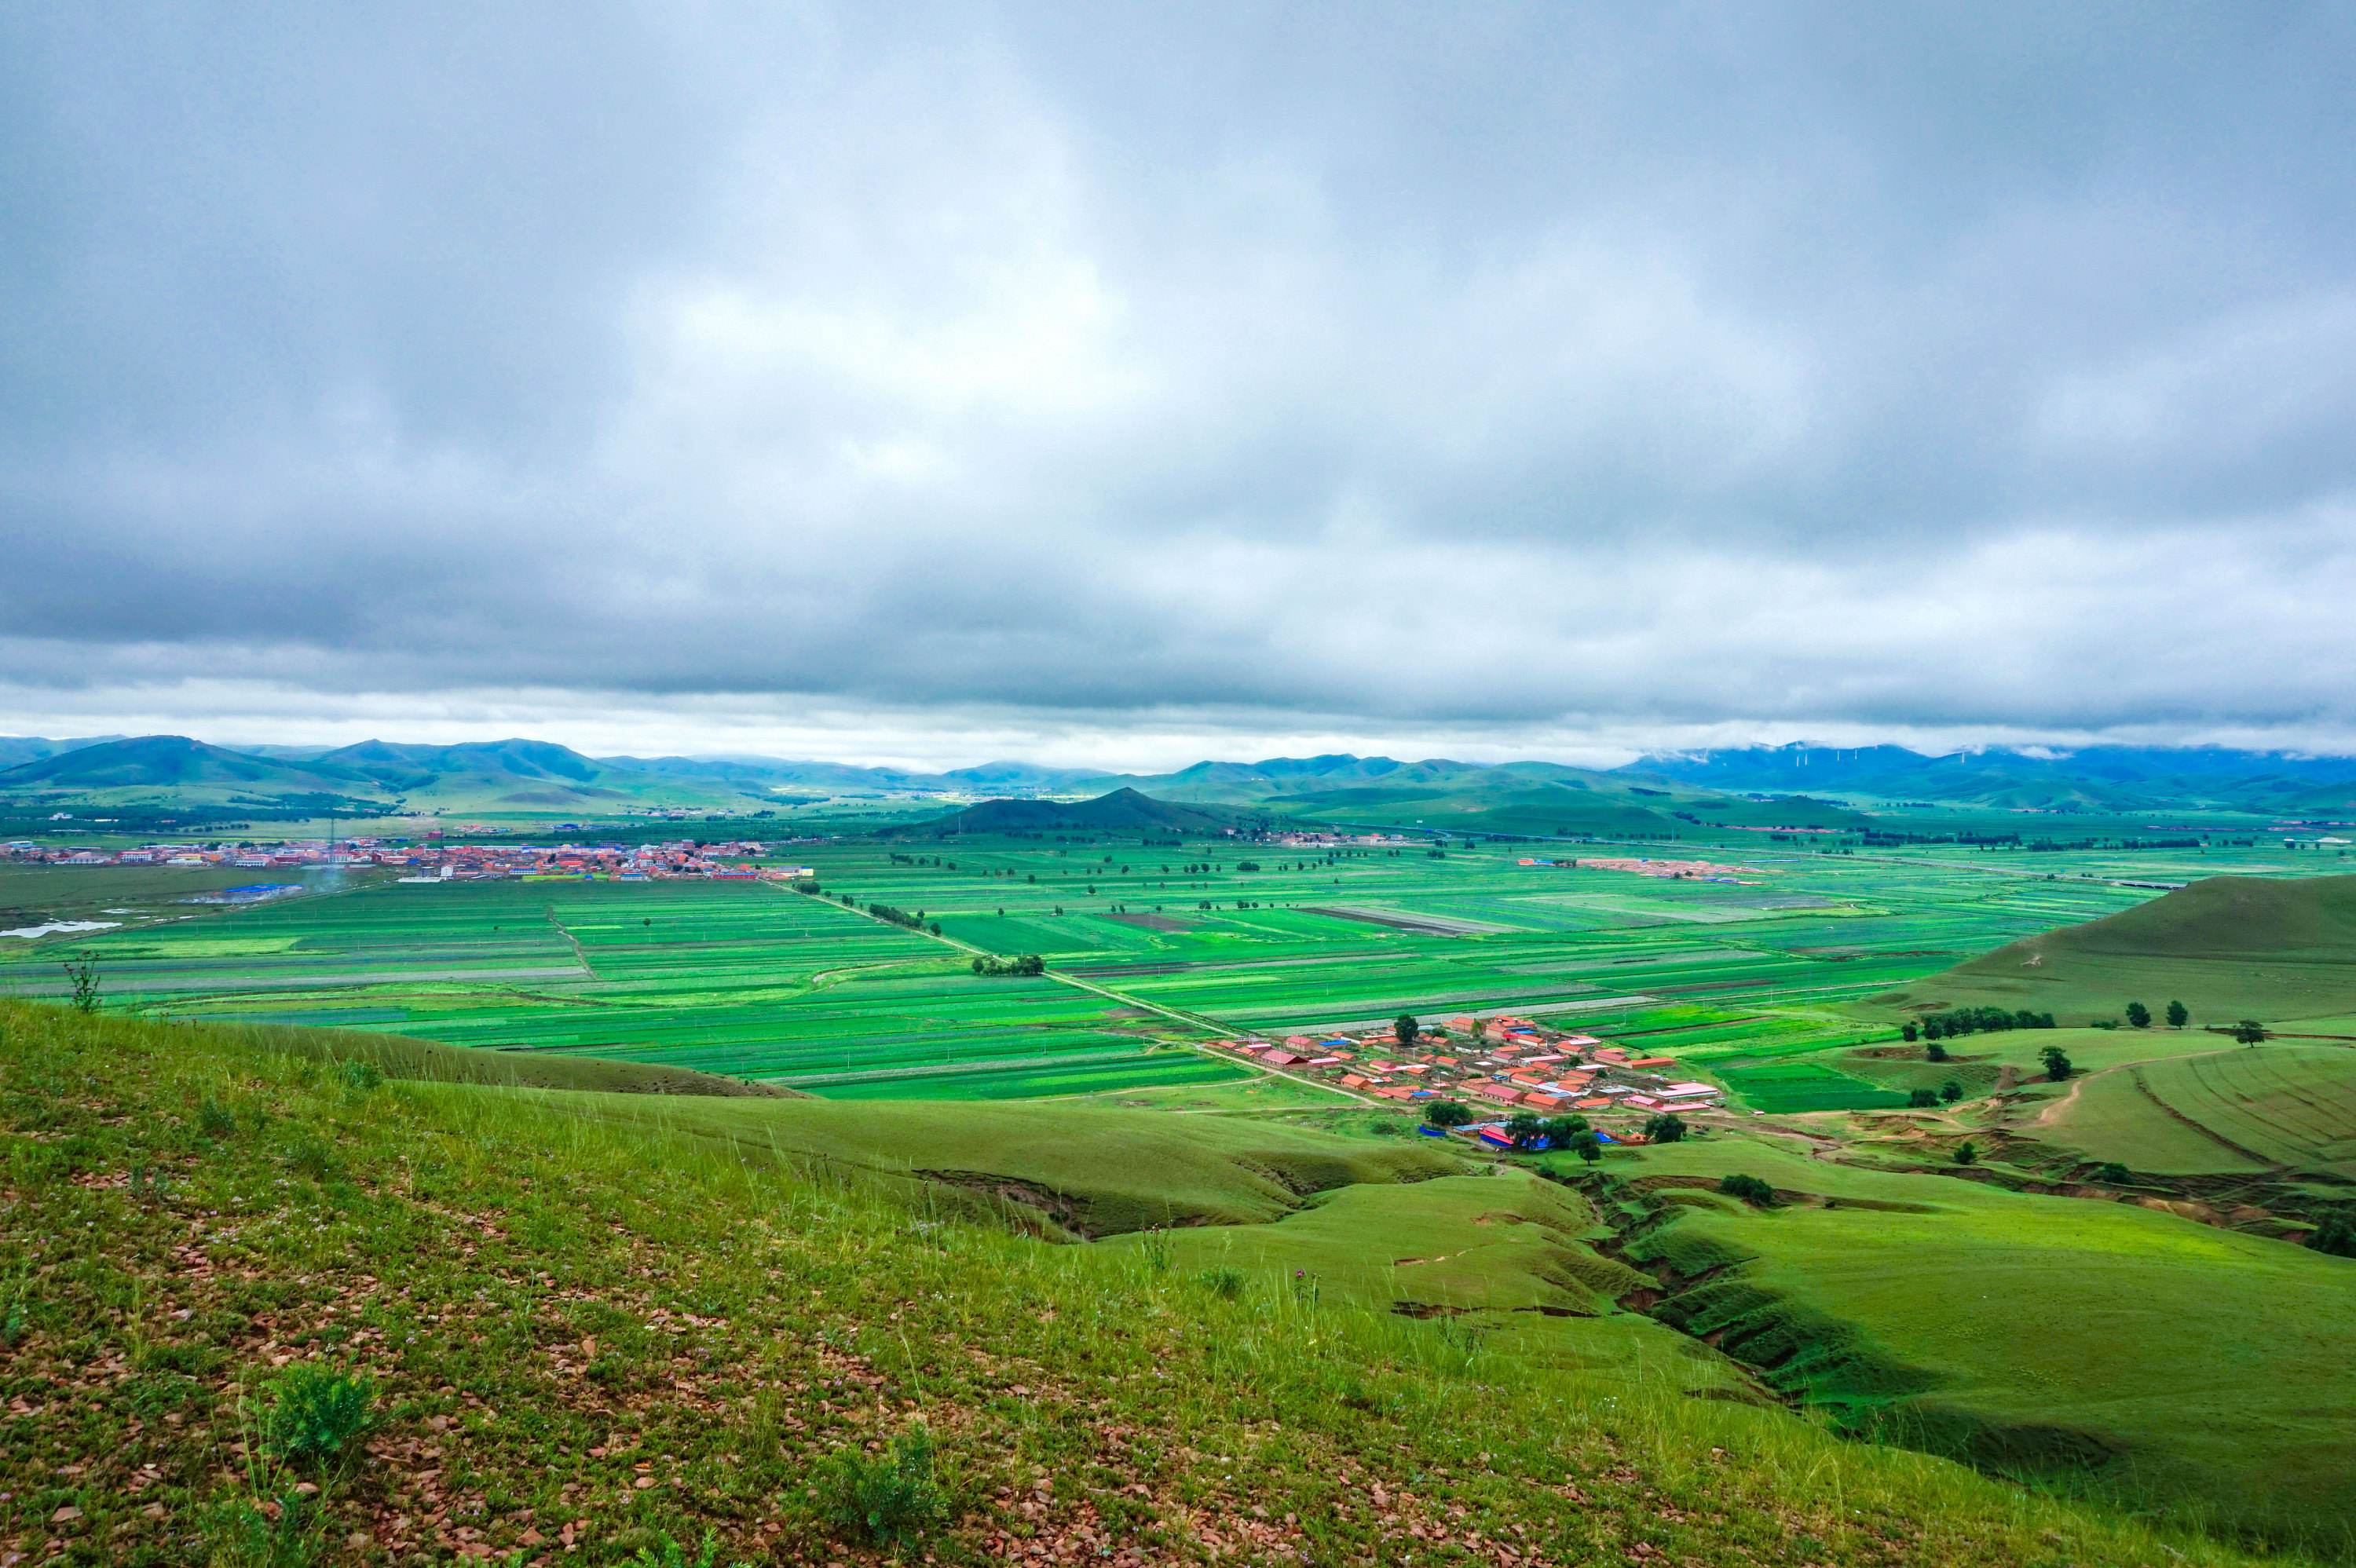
[(1768, 982)]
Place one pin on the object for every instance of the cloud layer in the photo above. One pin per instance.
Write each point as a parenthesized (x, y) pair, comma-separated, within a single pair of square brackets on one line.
[(1529, 377)]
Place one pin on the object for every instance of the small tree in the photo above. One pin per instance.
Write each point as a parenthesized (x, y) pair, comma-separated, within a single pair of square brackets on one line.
[(1923, 1100), (1966, 1154), (1910, 1031), (1934, 1052), (2250, 1031), (2179, 1015), (1403, 1028), (2056, 1063), (1587, 1145), (2138, 1015), (1951, 1092), (1447, 1113), (1665, 1128), (1525, 1128)]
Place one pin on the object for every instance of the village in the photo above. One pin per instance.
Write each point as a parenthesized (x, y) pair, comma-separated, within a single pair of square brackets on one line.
[(437, 861), (1495, 1068)]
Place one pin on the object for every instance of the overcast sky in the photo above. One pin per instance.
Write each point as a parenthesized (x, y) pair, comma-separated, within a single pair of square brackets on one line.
[(1126, 384)]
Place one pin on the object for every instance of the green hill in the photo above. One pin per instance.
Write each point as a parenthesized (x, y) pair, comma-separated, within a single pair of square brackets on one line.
[(584, 1331), (2181, 1369), (184, 771), (1121, 811), (2228, 947)]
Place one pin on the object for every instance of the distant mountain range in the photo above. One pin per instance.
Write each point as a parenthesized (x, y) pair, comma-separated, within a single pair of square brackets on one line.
[(2104, 777), (1761, 787)]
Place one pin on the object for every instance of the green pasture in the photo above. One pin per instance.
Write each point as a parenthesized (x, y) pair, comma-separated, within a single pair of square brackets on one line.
[(2277, 1106)]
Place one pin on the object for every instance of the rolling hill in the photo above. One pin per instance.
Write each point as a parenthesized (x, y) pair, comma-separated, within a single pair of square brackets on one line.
[(2228, 947), (1119, 811), (185, 770)]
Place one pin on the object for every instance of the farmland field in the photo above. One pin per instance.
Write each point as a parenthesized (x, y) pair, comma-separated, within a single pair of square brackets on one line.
[(1766, 982)]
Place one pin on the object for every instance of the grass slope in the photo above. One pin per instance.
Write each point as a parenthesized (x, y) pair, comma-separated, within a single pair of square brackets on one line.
[(2282, 1106), (2227, 946), (427, 1060), (585, 1337), (1085, 1169), (2194, 1372)]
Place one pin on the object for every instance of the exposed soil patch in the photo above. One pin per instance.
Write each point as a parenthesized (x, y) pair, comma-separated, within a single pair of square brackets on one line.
[(1151, 921)]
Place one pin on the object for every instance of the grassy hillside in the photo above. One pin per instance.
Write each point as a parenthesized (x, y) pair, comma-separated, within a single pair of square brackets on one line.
[(580, 1338), (2184, 1369), (2229, 947), (1065, 1169), (2286, 1106)]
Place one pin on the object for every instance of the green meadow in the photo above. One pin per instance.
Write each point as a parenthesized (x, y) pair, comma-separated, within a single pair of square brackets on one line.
[(2181, 1370)]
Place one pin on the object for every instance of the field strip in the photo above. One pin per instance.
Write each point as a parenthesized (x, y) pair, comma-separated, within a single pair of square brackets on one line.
[(133, 984), (1429, 925), (1585, 1004), (1192, 1020)]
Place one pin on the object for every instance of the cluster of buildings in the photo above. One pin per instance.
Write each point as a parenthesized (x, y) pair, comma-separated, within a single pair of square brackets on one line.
[(437, 862), (1494, 1067), (1644, 866)]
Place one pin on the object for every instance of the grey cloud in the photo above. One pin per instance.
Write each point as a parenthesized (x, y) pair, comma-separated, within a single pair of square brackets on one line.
[(1959, 366)]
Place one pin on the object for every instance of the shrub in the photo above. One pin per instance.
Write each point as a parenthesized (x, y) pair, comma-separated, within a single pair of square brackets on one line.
[(2334, 1235), (216, 1120), (1923, 1099), (1910, 1031), (1749, 1188), (1949, 1091), (1967, 1154), (890, 1499), (1224, 1282), (317, 1415), (2114, 1173), (1934, 1052), (82, 972), (360, 1077)]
